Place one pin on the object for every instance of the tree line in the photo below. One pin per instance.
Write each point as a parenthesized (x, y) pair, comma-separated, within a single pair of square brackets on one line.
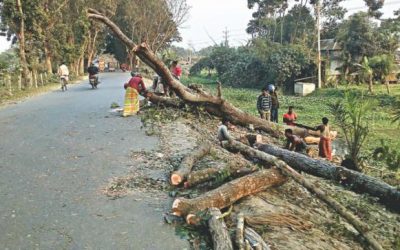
[(283, 47), (49, 32)]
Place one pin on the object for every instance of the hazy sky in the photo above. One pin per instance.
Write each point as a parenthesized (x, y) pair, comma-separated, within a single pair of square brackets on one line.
[(209, 18)]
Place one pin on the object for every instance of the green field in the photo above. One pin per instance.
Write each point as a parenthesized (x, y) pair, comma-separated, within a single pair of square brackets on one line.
[(312, 108)]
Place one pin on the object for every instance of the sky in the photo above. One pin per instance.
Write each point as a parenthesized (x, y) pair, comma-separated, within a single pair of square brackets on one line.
[(209, 19)]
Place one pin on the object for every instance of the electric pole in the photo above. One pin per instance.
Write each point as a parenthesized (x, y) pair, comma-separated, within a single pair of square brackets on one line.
[(226, 37), (318, 10)]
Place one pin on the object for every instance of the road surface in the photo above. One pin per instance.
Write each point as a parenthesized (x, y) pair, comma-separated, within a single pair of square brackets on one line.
[(57, 151)]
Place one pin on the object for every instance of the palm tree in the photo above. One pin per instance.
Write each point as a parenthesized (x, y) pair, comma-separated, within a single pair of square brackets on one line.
[(366, 72), (383, 66)]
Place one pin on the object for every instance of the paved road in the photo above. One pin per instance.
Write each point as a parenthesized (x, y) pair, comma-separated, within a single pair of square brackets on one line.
[(56, 151)]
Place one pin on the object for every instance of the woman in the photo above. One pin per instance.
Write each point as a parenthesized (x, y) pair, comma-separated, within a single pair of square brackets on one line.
[(133, 88)]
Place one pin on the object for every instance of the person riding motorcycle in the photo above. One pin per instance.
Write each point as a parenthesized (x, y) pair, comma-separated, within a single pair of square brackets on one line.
[(93, 73)]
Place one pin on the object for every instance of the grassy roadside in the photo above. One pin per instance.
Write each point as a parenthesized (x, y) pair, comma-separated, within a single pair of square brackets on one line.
[(312, 108), (20, 95)]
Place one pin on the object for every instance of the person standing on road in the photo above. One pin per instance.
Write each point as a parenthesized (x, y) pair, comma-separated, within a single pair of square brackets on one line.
[(264, 105), (63, 73), (274, 105), (133, 88)]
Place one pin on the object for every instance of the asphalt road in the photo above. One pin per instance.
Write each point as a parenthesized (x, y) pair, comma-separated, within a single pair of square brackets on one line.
[(56, 152)]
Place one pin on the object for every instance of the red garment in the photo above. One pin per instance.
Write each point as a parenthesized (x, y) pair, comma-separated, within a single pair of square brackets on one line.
[(325, 148), (137, 83), (292, 117), (177, 71)]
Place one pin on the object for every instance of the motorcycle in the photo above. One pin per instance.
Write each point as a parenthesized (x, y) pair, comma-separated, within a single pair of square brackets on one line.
[(93, 81)]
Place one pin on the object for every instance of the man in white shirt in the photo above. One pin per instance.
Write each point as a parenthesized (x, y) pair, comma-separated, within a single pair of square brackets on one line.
[(63, 73)]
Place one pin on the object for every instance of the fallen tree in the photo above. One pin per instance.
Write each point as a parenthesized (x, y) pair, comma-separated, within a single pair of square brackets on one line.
[(215, 105), (228, 193), (219, 231), (354, 180), (360, 226), (187, 163)]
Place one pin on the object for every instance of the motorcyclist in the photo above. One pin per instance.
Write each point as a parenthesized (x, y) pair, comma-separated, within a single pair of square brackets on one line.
[(93, 72)]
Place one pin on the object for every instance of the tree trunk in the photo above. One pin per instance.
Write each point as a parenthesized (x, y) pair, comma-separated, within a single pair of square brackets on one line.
[(82, 65), (240, 232), (213, 104), (231, 170), (228, 193), (187, 163), (49, 67), (21, 38), (387, 86), (219, 231), (255, 240), (370, 84), (287, 170), (356, 181)]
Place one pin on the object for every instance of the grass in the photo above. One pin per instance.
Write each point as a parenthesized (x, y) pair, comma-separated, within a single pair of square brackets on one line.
[(312, 108)]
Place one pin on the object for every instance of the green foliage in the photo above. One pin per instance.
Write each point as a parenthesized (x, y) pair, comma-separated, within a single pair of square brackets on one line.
[(388, 155), (257, 66), (382, 66), (351, 115), (9, 61)]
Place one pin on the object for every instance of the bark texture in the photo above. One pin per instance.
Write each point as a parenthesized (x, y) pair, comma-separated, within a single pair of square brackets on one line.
[(255, 240), (234, 169), (354, 180), (229, 193), (240, 232), (187, 163), (219, 231), (215, 105), (287, 170)]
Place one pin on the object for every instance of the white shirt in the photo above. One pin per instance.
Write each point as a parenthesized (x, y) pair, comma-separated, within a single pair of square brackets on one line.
[(63, 70)]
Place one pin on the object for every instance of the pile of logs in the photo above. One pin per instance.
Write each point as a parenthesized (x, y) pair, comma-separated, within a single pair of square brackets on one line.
[(252, 182)]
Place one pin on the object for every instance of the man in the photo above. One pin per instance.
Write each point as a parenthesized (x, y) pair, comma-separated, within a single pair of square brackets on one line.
[(325, 142), (290, 117), (294, 143), (223, 133), (274, 105), (63, 73), (264, 105), (93, 71)]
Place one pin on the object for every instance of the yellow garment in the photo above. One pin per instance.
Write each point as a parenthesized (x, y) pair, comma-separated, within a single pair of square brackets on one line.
[(131, 104)]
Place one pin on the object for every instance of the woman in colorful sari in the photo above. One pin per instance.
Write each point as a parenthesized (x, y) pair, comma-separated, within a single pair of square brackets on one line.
[(133, 88)]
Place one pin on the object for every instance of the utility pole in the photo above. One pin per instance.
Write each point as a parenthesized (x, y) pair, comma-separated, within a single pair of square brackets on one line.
[(318, 10), (226, 37)]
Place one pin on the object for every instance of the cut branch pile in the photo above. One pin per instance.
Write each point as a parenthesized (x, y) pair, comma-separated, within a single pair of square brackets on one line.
[(360, 226)]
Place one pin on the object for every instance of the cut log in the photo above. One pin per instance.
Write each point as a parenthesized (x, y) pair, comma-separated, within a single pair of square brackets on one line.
[(233, 169), (354, 180), (228, 193), (215, 105), (255, 240), (187, 163), (165, 101), (361, 227), (240, 232), (219, 231)]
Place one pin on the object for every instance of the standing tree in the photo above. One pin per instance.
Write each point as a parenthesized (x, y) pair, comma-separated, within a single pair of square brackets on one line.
[(366, 72), (383, 66)]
